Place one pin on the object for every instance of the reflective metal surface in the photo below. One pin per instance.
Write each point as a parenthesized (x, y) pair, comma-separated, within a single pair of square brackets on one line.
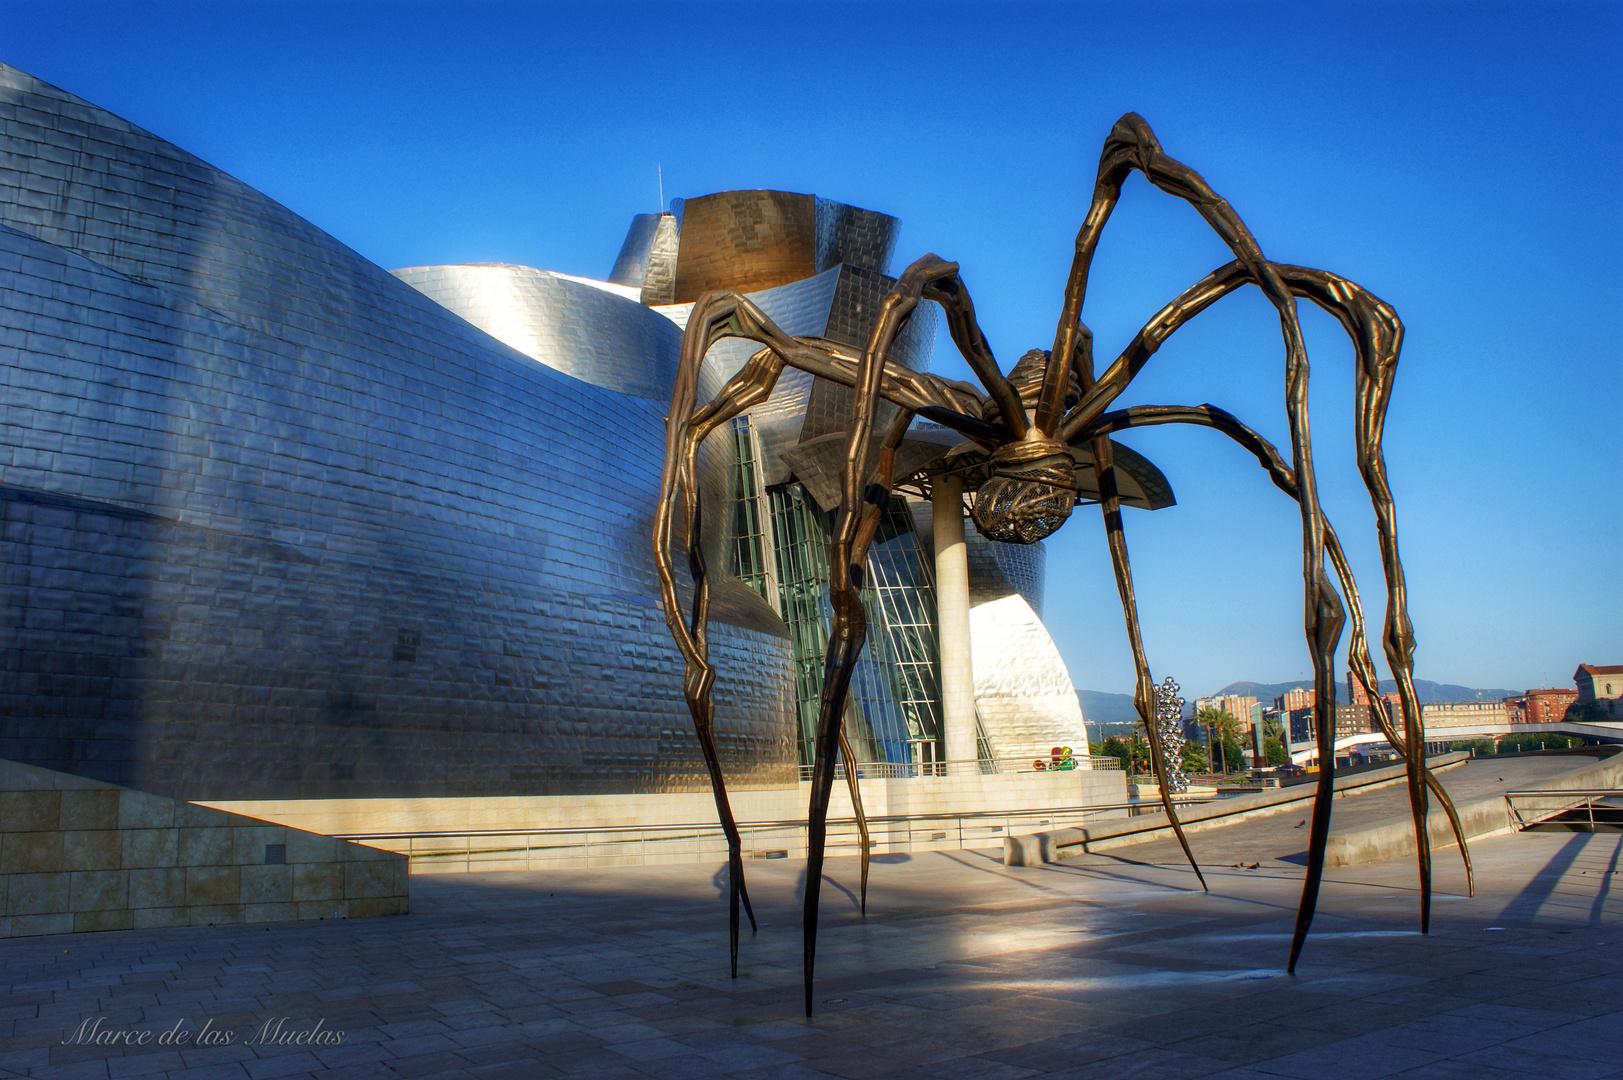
[(631, 265), (1023, 694), (277, 525), (571, 326), (850, 235)]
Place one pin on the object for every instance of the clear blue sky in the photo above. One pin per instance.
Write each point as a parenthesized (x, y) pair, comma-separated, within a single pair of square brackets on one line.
[(1459, 160)]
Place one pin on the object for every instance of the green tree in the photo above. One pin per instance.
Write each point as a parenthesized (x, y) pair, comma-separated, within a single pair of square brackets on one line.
[(1274, 750), (1194, 758), (1139, 747), (1116, 748), (1224, 731)]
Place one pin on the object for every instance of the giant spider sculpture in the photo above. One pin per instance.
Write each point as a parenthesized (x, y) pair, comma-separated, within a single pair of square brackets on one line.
[(1025, 437)]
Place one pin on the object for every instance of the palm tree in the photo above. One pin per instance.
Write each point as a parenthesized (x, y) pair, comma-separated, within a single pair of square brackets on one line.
[(1221, 725)]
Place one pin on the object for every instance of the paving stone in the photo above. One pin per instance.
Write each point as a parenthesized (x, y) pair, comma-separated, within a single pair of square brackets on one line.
[(981, 971)]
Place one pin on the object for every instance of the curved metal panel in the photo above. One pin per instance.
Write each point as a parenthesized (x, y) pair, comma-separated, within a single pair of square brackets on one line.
[(578, 329), (801, 309), (997, 570), (1024, 696), (745, 241), (631, 265), (854, 236), (1138, 480), (659, 280)]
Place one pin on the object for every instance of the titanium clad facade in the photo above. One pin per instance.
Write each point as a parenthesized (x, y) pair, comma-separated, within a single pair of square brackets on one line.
[(852, 236), (584, 330), (276, 525), (745, 241), (1024, 698), (631, 265)]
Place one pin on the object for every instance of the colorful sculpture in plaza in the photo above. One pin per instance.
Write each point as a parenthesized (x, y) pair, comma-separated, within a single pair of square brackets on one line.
[(1026, 436)]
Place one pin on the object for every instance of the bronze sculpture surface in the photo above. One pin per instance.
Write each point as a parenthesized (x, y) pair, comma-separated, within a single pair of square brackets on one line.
[(1024, 437)]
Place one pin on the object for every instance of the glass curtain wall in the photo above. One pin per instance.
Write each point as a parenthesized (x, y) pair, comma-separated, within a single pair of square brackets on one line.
[(750, 559), (895, 696), (901, 597)]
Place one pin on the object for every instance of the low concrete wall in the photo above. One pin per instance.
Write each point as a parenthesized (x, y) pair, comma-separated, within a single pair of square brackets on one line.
[(344, 817), (79, 855), (880, 798), (1394, 838), (1046, 847), (541, 833)]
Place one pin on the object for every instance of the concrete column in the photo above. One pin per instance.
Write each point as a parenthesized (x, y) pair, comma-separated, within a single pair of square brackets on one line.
[(952, 619)]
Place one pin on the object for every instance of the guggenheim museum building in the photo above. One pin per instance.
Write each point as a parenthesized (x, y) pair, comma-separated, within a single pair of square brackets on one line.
[(283, 524)]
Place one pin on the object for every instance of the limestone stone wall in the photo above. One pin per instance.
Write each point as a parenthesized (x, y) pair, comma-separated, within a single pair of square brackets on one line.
[(79, 855)]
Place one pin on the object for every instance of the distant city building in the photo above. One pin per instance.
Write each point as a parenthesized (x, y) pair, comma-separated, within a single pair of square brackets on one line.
[(1350, 720), (1291, 700), (1517, 708), (1235, 705), (1463, 714), (1548, 706), (1600, 691), (1353, 720), (1391, 701)]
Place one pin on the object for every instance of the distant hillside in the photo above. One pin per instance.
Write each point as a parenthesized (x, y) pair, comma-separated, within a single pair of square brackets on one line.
[(1098, 708), (1428, 692), (1103, 711)]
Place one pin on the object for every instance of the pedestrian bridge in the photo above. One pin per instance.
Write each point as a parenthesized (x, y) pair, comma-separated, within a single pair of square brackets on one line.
[(1438, 738)]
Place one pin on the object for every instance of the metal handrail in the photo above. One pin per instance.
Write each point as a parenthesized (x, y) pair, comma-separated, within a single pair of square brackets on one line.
[(1572, 797)]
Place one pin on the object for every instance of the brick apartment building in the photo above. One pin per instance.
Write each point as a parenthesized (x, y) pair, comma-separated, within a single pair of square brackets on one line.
[(1548, 706)]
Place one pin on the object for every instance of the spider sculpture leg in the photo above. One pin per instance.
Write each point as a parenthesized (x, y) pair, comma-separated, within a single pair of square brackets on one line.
[(1358, 648), (864, 493), (848, 554), (1132, 145), (1377, 337), (718, 315), (1144, 692), (851, 778), (685, 431), (1358, 659)]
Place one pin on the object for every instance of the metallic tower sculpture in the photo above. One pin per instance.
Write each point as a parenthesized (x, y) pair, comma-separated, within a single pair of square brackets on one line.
[(1169, 722), (1025, 438)]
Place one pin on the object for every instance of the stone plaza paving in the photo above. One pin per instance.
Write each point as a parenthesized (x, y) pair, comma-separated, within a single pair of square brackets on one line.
[(962, 968)]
